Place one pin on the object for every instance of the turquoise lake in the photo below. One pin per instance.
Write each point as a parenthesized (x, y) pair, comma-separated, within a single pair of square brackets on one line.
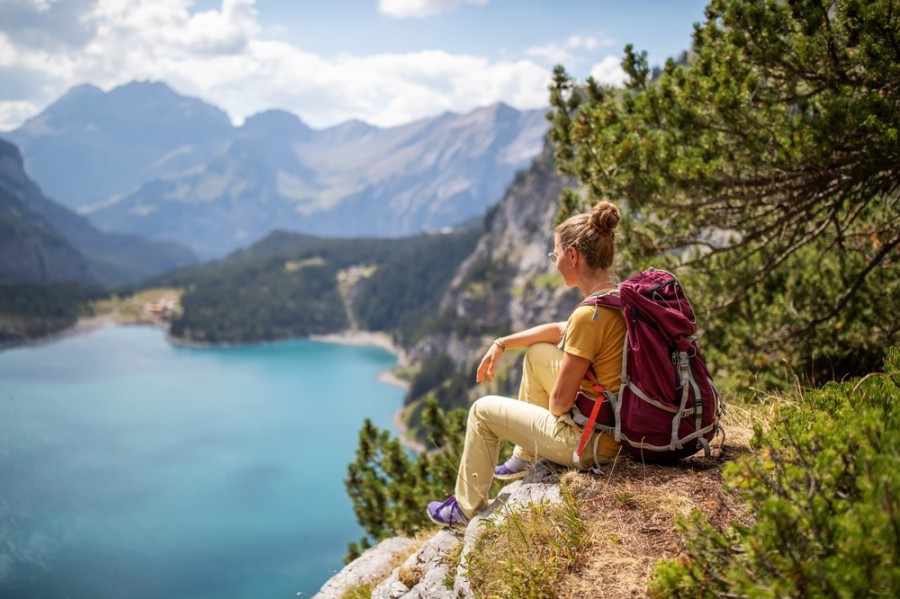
[(132, 468)]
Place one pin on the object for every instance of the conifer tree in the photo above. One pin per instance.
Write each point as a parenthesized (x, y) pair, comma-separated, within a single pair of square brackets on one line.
[(766, 168), (390, 485)]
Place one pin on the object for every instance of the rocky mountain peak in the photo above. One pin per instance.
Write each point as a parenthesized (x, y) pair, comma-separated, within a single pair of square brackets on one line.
[(279, 123)]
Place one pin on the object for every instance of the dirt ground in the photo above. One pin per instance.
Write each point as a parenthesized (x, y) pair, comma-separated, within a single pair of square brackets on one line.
[(637, 506)]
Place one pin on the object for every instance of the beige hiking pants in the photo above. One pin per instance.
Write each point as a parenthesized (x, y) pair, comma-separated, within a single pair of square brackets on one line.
[(526, 421)]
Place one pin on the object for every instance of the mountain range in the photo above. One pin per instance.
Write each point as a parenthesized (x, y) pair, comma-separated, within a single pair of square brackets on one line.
[(42, 241), (144, 159)]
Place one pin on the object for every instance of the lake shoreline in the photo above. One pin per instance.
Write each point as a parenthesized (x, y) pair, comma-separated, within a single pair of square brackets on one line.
[(89, 324), (84, 325)]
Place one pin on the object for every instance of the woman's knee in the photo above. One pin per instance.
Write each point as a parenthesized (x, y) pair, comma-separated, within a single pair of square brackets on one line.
[(539, 349), (539, 372), (485, 406), (542, 355), (484, 414)]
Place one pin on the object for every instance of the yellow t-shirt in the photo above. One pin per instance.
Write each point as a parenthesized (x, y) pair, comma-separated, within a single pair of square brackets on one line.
[(599, 340)]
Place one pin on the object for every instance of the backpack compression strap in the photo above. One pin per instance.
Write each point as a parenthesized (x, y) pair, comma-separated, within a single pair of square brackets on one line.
[(592, 419)]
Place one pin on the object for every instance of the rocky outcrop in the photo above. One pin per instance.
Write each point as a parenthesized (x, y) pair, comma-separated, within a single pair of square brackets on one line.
[(432, 572), (373, 566), (507, 284)]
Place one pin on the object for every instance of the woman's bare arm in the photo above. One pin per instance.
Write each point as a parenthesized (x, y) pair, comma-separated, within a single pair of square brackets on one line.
[(571, 373), (551, 332)]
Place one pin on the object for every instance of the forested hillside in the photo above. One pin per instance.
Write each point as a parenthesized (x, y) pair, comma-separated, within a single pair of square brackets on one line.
[(287, 286), (31, 310)]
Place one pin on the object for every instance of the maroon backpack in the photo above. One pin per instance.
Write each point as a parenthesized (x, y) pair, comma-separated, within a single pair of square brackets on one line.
[(667, 407)]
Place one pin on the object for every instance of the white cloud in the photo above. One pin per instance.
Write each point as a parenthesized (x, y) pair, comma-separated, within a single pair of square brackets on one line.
[(15, 112), (569, 52), (384, 90), (166, 26), (404, 9), (553, 53), (609, 71), (585, 42), (221, 57)]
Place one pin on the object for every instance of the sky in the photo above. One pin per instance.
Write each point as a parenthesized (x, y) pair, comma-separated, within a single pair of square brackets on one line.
[(384, 62)]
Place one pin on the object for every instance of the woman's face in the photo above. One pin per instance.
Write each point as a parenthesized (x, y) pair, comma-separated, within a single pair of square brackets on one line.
[(565, 263)]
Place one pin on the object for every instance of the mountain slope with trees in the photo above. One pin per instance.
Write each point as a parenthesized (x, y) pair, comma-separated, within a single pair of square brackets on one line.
[(287, 286), (44, 242)]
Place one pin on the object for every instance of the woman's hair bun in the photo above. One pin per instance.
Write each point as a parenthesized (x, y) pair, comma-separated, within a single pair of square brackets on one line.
[(605, 216)]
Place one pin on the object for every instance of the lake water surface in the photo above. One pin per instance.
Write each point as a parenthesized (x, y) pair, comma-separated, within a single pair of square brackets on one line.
[(130, 467)]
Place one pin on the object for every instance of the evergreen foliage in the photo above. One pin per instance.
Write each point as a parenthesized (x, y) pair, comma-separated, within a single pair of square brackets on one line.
[(440, 381), (390, 486), (286, 286), (768, 169), (823, 503), (404, 296), (433, 372), (262, 301), (35, 310)]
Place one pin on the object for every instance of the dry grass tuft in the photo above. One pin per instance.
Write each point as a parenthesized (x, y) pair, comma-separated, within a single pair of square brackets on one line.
[(526, 553)]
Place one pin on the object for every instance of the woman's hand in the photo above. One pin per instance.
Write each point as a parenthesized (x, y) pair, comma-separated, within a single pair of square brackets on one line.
[(488, 365)]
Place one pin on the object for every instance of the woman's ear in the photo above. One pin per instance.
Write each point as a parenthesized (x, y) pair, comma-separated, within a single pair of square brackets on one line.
[(572, 253)]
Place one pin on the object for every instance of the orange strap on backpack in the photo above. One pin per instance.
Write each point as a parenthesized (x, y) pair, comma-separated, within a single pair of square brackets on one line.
[(595, 411)]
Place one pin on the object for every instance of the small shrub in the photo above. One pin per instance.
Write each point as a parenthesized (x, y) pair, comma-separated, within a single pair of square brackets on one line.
[(824, 494)]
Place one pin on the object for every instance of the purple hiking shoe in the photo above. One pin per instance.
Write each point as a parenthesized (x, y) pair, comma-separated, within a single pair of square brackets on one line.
[(446, 513), (513, 469)]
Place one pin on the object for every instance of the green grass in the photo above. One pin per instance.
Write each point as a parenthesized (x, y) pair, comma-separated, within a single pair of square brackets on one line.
[(527, 553)]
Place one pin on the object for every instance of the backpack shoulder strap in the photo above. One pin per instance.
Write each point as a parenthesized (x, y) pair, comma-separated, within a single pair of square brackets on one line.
[(610, 299)]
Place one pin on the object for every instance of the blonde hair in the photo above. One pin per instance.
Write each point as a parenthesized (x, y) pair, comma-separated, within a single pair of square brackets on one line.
[(592, 234)]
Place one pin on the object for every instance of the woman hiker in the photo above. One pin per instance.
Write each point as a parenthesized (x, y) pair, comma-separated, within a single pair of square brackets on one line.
[(557, 361)]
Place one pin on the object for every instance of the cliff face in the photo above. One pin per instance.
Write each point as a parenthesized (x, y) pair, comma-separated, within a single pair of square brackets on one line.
[(31, 249), (507, 284)]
